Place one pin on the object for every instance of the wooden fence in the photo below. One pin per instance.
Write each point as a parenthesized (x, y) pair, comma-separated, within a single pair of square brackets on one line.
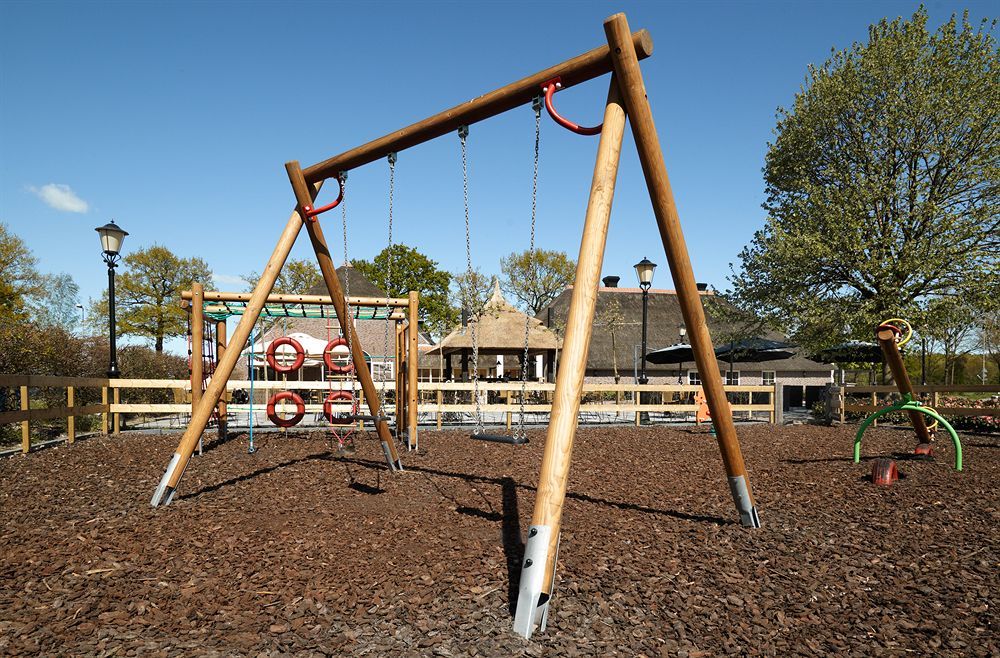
[(436, 398), (875, 398)]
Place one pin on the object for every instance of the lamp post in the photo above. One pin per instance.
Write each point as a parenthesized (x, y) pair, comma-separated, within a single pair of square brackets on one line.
[(644, 270), (111, 243), (682, 332)]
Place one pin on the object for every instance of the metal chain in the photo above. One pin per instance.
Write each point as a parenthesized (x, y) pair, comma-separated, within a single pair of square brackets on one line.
[(388, 280), (342, 177), (463, 133), (536, 105)]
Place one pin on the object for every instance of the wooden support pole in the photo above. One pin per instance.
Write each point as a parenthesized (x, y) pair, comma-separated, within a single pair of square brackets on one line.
[(26, 423), (584, 67), (197, 343), (413, 369), (116, 417), (543, 537), (887, 341), (329, 271), (626, 66), (203, 412), (220, 350), (71, 419), (440, 401), (104, 414)]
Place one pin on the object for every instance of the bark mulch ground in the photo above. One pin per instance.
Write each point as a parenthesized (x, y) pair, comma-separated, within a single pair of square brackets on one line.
[(294, 550)]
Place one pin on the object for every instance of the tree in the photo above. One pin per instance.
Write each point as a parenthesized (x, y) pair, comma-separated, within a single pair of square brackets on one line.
[(989, 338), (470, 290), (56, 302), (536, 278), (398, 269), (297, 277), (19, 279), (882, 185), (952, 325), (147, 294), (612, 318)]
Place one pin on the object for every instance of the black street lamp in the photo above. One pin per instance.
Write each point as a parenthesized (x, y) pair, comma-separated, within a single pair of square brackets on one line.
[(111, 243), (644, 270)]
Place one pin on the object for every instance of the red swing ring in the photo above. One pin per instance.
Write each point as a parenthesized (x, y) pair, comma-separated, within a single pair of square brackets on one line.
[(300, 354), (549, 88), (331, 398), (310, 212), (300, 409), (332, 365)]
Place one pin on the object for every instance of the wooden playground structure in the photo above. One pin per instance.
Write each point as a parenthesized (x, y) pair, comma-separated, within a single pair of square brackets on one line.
[(626, 98)]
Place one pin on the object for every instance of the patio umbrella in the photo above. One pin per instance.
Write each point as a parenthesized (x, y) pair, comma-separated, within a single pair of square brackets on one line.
[(678, 354), (853, 351), (753, 350)]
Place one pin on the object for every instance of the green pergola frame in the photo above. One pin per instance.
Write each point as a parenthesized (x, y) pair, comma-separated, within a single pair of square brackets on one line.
[(221, 310), (909, 404)]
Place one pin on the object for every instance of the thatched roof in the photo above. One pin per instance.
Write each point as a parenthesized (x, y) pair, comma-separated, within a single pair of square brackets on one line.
[(499, 329), (662, 331), (360, 286)]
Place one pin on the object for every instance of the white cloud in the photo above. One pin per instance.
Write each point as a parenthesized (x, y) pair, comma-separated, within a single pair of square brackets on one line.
[(60, 197), (228, 279)]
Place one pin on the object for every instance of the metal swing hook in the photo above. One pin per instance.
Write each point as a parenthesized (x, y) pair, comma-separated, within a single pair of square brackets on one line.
[(310, 212), (550, 88)]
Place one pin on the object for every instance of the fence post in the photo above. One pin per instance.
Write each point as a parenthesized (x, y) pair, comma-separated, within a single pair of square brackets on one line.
[(843, 403), (104, 414), (116, 417), (638, 414), (71, 419), (874, 404), (778, 397), (440, 400), (26, 423)]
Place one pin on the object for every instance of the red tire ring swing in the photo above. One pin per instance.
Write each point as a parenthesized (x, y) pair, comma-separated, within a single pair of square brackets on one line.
[(332, 365), (300, 409), (300, 354), (331, 398)]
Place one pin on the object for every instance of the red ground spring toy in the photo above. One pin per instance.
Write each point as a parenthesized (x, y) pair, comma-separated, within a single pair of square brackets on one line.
[(333, 366), (300, 409), (331, 398), (300, 354), (923, 449), (884, 472)]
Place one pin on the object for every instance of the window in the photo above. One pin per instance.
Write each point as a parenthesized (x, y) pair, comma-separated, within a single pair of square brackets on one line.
[(767, 378), (693, 378), (733, 378), (382, 371)]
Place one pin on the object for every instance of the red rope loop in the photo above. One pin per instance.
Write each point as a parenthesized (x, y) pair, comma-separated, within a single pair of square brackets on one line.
[(550, 88), (310, 212)]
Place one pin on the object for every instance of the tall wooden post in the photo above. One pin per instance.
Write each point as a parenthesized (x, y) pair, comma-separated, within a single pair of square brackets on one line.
[(26, 423), (329, 272), (220, 350), (626, 66), (203, 412), (887, 341), (71, 420), (541, 549), (197, 343), (413, 363)]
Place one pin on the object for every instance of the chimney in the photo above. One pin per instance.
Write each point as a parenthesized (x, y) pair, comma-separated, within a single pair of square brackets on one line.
[(611, 281), (702, 287), (465, 318)]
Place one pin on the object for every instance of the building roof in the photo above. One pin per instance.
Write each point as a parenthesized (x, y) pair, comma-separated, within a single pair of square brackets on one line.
[(359, 284), (499, 329), (664, 321)]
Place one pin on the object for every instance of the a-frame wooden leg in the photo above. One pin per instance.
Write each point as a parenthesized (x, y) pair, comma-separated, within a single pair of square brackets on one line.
[(538, 567), (203, 411), (329, 271), (626, 66)]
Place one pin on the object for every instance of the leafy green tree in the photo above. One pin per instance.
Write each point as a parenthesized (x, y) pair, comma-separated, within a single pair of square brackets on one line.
[(612, 318), (19, 280), (56, 302), (882, 185), (536, 278), (297, 277), (147, 294), (470, 290), (399, 269)]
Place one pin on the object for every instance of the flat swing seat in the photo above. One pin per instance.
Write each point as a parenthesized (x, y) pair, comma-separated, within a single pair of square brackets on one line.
[(500, 438)]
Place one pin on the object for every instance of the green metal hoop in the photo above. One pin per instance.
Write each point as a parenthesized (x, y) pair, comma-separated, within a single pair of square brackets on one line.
[(909, 404)]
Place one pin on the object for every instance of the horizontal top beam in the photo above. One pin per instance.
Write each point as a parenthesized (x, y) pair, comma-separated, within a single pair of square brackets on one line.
[(584, 67), (216, 296)]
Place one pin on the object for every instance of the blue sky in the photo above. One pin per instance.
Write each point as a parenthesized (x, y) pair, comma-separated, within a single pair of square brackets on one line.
[(176, 119)]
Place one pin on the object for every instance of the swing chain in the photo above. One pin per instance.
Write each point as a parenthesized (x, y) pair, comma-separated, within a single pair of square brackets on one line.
[(388, 278), (536, 105), (463, 133), (347, 274)]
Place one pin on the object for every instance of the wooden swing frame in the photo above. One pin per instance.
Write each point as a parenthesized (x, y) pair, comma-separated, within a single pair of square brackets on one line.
[(626, 96)]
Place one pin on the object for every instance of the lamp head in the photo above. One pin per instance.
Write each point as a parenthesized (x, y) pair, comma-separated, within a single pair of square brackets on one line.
[(112, 236), (644, 271)]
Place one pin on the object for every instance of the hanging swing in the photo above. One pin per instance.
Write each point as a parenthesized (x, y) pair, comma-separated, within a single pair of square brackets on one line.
[(520, 436)]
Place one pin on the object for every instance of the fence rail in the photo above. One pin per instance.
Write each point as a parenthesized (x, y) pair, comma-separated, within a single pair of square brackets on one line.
[(842, 406), (433, 399)]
